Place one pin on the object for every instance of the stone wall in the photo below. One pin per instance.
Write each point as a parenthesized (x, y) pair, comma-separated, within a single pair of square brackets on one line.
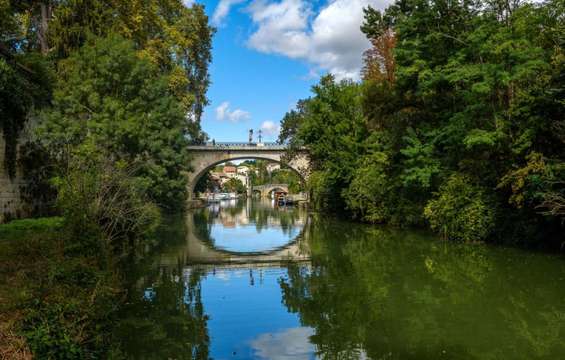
[(11, 205)]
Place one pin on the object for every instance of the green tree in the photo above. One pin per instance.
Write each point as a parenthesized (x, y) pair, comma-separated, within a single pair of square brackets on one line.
[(332, 125), (473, 88), (367, 195), (461, 211), (107, 96), (235, 185), (25, 80)]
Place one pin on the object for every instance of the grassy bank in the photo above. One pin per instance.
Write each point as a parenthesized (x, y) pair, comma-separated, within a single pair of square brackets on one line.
[(55, 302)]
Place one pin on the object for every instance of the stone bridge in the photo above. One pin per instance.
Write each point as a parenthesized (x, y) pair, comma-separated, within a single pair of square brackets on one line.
[(265, 190), (205, 157)]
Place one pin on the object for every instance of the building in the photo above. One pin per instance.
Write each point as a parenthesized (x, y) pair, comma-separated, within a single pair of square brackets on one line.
[(272, 167), (243, 179), (243, 170), (230, 171)]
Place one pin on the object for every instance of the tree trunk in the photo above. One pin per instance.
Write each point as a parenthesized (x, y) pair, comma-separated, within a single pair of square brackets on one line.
[(45, 9)]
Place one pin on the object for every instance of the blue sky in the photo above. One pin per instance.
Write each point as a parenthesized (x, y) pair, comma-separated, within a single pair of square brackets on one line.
[(268, 53)]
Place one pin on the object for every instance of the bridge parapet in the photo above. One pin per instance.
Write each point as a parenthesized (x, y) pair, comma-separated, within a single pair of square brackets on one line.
[(238, 146), (270, 186)]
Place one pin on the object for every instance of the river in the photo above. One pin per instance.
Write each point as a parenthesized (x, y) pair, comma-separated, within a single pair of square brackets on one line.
[(246, 280)]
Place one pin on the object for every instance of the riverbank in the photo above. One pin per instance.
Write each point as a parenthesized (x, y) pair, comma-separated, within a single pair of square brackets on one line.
[(55, 301)]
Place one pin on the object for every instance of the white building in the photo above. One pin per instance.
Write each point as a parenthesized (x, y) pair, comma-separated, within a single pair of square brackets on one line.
[(272, 167), (243, 170)]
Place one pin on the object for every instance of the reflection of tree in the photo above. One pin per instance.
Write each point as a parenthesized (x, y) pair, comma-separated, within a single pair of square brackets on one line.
[(202, 224), (165, 318), (390, 294)]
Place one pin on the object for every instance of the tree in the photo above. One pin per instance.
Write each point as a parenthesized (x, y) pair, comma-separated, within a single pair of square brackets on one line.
[(25, 81), (461, 211), (473, 88), (332, 125), (175, 38), (379, 59), (109, 100), (235, 186)]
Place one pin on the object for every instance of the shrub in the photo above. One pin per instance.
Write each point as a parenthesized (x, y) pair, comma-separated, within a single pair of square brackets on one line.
[(75, 284), (366, 196), (460, 211), (319, 189), (105, 210)]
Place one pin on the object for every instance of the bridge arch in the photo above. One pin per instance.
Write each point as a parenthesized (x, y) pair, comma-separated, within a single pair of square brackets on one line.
[(205, 157), (266, 190)]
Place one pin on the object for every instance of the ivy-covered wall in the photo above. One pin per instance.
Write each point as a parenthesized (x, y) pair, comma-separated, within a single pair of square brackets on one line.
[(11, 205)]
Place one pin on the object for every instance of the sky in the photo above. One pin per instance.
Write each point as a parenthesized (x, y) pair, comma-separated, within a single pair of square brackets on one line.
[(267, 54)]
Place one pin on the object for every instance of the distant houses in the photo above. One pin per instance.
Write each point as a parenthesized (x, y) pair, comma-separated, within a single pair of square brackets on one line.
[(273, 167), (222, 175), (243, 170), (230, 171)]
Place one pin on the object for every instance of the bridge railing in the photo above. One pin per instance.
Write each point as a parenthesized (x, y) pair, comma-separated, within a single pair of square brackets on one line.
[(269, 186), (239, 145)]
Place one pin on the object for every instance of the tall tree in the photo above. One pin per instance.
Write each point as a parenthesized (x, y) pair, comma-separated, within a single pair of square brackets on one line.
[(109, 100)]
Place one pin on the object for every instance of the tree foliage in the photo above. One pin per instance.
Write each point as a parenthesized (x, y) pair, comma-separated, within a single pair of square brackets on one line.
[(473, 88), (332, 125), (37, 36), (460, 211), (108, 99), (235, 185)]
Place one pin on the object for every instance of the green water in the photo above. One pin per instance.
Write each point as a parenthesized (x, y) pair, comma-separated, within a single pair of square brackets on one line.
[(245, 280)]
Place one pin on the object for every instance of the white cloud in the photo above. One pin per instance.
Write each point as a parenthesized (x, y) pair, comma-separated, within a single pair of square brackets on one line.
[(223, 9), (270, 129), (223, 112), (188, 3), (281, 27), (330, 40), (289, 344)]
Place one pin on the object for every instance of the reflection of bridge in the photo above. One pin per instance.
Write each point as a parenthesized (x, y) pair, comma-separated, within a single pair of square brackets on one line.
[(265, 190), (199, 251), (205, 157)]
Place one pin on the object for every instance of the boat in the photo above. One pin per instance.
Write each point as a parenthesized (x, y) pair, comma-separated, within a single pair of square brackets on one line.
[(284, 200)]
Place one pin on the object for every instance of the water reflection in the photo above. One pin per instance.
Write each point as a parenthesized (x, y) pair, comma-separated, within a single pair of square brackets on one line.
[(292, 343), (249, 225), (366, 293), (241, 232), (399, 295), (165, 317)]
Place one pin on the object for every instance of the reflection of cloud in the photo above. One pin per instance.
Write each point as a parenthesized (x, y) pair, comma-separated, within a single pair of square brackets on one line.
[(223, 275), (288, 344), (239, 273)]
